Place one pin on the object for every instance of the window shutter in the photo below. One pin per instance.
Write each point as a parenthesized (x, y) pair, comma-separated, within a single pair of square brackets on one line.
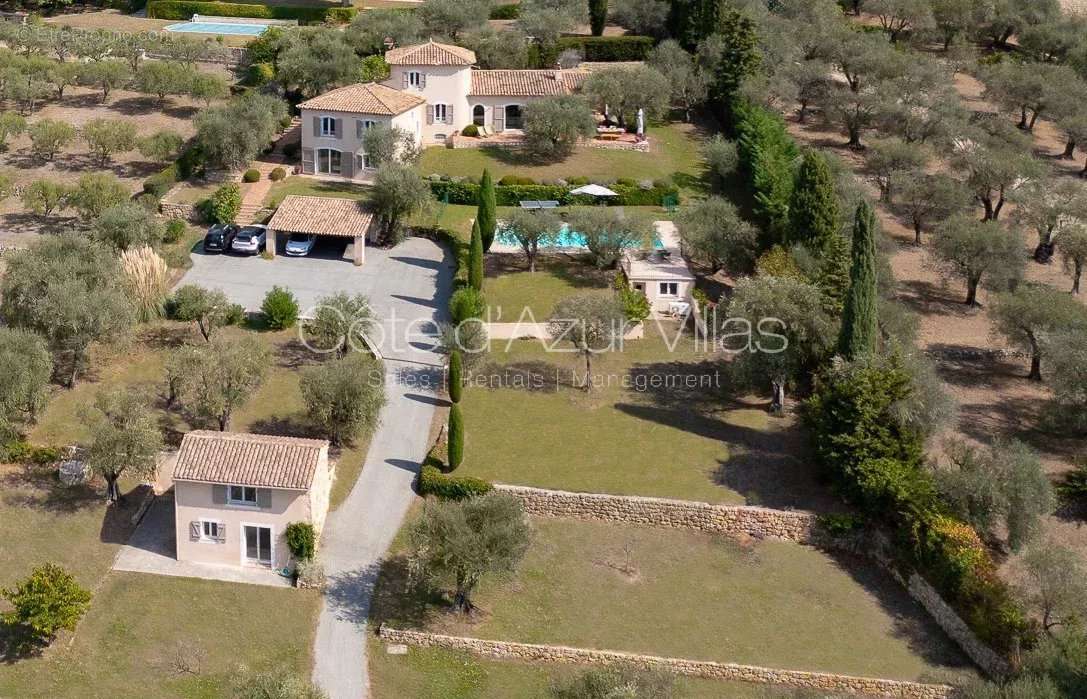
[(347, 165), (449, 114), (218, 494), (264, 498), (221, 529), (307, 161), (430, 114), (422, 81), (316, 126), (337, 128), (499, 119), (358, 128), (404, 79), (194, 530)]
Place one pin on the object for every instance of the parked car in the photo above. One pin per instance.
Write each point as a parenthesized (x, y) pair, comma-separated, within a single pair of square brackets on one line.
[(300, 244), (250, 240), (220, 237)]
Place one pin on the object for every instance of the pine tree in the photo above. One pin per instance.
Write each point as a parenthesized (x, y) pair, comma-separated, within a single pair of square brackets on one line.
[(486, 212), (860, 321), (475, 259), (739, 58), (813, 207), (456, 376), (456, 437), (598, 16)]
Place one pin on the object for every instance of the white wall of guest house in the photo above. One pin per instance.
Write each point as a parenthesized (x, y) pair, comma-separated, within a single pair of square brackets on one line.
[(346, 138), (447, 86)]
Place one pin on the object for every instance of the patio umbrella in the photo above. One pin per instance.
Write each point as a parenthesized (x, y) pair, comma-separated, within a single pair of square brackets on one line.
[(594, 190)]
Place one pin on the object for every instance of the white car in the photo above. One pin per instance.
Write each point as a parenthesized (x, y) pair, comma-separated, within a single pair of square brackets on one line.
[(250, 240), (300, 244)]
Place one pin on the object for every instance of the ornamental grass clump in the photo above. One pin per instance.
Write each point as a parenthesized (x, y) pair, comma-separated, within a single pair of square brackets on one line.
[(148, 278)]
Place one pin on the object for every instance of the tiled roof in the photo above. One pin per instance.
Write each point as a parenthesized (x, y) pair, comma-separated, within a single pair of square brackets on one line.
[(248, 459), (430, 54), (365, 98), (321, 216), (525, 83)]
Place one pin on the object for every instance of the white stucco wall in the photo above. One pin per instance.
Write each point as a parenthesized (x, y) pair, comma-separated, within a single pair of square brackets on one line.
[(444, 85), (349, 141), (495, 105), (658, 301)]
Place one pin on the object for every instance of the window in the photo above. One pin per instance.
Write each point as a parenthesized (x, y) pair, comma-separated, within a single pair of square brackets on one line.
[(363, 162), (328, 126), (328, 161), (416, 79), (368, 124), (211, 531), (669, 289), (242, 495), (442, 113), (479, 115)]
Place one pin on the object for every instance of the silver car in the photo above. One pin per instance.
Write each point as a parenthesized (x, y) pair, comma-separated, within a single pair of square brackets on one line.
[(250, 240), (300, 244)]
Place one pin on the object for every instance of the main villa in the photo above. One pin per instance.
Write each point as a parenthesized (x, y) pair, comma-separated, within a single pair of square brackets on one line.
[(432, 93)]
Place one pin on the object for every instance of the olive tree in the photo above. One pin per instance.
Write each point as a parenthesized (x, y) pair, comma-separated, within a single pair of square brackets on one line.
[(128, 225), (609, 232), (388, 144), (316, 59), (127, 439), (1073, 251), (927, 199), (369, 30), (108, 137), (554, 125), (163, 78), (340, 323), (1068, 378), (214, 380), (25, 370), (690, 85), (48, 137), (1053, 581), (993, 169), (978, 252), (713, 233), (344, 395), (44, 197), (105, 74), (1047, 207), (208, 308), (161, 146), (452, 18), (626, 89), (232, 134), (592, 323), (898, 17), (11, 124), (467, 539), (398, 192), (1027, 316), (95, 192), (890, 157), (531, 229)]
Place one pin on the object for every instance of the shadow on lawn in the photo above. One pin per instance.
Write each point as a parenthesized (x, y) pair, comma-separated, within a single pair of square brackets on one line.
[(39, 489), (401, 601)]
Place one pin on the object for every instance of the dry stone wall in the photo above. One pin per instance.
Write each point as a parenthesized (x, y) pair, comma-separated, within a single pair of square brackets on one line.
[(788, 525), (531, 652)]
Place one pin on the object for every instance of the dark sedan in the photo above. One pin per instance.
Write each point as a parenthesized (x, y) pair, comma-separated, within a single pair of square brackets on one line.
[(220, 237)]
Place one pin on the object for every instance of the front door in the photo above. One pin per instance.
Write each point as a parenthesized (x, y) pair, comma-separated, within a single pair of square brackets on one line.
[(258, 545)]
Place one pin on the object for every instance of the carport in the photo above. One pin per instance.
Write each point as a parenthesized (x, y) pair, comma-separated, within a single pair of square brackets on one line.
[(322, 216)]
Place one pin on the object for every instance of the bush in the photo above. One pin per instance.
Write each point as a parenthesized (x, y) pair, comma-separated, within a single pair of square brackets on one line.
[(505, 11), (259, 74), (577, 180), (434, 482), (280, 309), (235, 315), (46, 602), (301, 540), (455, 444), (251, 175), (516, 179), (470, 130), (185, 9), (277, 174), (175, 230), (310, 574), (224, 205), (467, 303), (1074, 485), (21, 452)]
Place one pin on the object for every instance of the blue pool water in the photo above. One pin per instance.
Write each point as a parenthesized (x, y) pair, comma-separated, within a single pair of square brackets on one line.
[(565, 238), (217, 28)]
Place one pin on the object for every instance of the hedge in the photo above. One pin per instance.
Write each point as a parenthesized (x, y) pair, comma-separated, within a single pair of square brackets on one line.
[(185, 9), (434, 482), (506, 11), (608, 48), (189, 163), (510, 195)]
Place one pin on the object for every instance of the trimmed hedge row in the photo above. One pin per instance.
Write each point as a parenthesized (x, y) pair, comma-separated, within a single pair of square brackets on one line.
[(446, 487), (510, 195), (185, 9), (608, 48)]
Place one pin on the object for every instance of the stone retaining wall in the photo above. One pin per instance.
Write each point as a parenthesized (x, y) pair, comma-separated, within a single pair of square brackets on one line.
[(789, 525), (185, 212), (532, 652)]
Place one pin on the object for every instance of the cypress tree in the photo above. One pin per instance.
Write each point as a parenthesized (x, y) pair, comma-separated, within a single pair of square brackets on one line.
[(832, 276), (598, 16), (475, 259), (456, 376), (813, 206), (456, 437), (486, 211), (860, 320)]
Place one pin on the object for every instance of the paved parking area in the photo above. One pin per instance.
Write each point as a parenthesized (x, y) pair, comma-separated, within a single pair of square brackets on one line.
[(153, 546), (400, 283)]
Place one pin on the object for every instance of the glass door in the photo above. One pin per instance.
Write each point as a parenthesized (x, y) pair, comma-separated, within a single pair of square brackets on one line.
[(258, 545)]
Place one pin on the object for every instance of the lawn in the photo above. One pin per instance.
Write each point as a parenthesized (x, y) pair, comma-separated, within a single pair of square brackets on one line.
[(675, 154), (309, 186), (659, 422), (435, 673), (687, 594), (148, 635), (511, 289)]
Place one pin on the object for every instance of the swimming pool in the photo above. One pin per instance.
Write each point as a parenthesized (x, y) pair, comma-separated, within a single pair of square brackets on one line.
[(217, 28), (565, 238)]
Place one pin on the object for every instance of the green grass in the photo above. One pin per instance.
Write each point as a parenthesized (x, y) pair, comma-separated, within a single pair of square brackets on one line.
[(675, 155), (512, 290), (309, 186), (687, 594), (435, 673), (690, 437), (138, 625)]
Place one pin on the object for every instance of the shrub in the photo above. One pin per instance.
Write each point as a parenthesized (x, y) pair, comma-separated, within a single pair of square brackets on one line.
[(277, 174), (467, 303), (301, 540), (148, 281), (516, 179), (434, 482), (470, 130), (635, 304), (235, 314), (259, 74), (280, 308), (505, 11), (456, 376), (1074, 485), (310, 574), (46, 602), (251, 175), (21, 452), (175, 230), (225, 204), (577, 180), (456, 437)]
